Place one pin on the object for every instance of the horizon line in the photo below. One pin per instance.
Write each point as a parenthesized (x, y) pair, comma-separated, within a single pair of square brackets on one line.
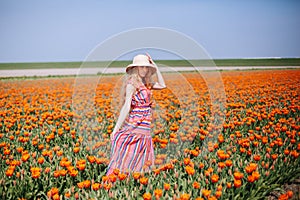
[(254, 58)]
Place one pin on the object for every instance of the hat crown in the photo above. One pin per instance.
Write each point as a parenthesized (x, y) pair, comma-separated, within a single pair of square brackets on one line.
[(140, 60)]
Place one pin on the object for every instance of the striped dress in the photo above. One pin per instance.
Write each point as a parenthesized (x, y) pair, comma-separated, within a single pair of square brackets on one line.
[(132, 147)]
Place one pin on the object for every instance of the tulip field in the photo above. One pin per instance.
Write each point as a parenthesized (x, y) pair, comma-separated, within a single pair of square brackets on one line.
[(55, 145)]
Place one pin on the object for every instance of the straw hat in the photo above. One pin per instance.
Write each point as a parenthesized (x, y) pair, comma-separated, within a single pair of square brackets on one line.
[(141, 60)]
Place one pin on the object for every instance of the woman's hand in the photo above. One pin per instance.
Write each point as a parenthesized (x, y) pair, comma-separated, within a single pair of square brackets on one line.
[(151, 61), (112, 135), (161, 83)]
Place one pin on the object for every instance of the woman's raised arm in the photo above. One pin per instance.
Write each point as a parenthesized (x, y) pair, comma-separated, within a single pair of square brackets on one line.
[(161, 83), (125, 109)]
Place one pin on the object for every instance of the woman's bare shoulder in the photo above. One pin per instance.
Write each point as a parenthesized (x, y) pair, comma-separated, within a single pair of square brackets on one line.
[(132, 82)]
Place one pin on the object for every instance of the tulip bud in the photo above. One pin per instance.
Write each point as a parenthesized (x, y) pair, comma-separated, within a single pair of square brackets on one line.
[(201, 176), (110, 194), (176, 174), (125, 191), (267, 173), (175, 186)]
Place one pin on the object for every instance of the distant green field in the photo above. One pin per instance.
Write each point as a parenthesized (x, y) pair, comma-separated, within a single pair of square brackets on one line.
[(174, 63)]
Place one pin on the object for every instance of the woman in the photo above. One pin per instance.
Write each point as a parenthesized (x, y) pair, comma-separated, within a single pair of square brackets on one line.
[(132, 148)]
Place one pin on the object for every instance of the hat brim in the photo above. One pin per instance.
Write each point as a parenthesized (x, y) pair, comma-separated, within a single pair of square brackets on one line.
[(131, 66)]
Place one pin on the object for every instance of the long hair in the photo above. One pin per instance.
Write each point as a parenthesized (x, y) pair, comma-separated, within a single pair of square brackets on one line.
[(134, 78)]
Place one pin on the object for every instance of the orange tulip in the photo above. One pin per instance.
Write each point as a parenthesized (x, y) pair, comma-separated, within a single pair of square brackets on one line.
[(144, 180), (56, 174), (73, 172), (218, 194), (221, 165), (158, 193), (190, 170), (185, 196), (251, 179), (41, 160), (91, 159), (10, 171), (206, 192), (86, 183), (201, 165), (76, 149), (80, 185), (25, 157), (228, 163), (63, 172), (147, 196), (96, 186), (256, 175), (238, 175), (67, 195), (56, 197), (237, 183), (122, 176), (214, 178), (186, 161), (256, 157), (52, 192), (112, 178), (35, 172), (251, 167), (196, 185), (167, 186), (116, 171)]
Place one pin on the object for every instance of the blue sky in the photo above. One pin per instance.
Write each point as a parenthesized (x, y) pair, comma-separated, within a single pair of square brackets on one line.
[(68, 30)]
